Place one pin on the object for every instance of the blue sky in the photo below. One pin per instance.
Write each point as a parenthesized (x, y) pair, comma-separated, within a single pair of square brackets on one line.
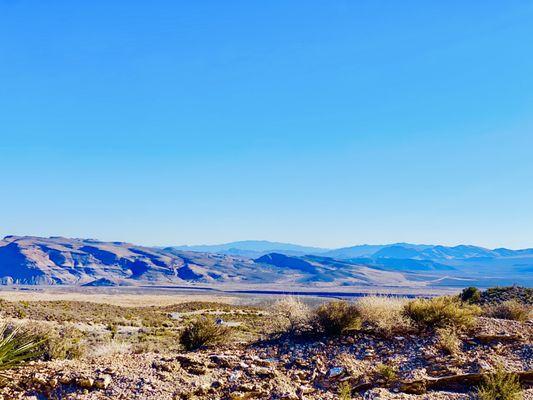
[(325, 123)]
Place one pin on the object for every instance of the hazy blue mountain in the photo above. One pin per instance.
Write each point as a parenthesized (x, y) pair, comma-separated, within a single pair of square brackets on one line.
[(367, 250), (253, 248)]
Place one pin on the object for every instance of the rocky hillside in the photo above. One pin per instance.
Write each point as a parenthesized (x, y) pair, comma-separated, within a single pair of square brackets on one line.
[(451, 265), (57, 260)]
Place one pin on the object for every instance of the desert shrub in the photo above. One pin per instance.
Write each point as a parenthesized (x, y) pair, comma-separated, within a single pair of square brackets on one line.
[(510, 309), (470, 295), (448, 341), (384, 314), (500, 386), (440, 312), (56, 343), (345, 391), (386, 373), (500, 294), (203, 331), (291, 316), (16, 347), (337, 317)]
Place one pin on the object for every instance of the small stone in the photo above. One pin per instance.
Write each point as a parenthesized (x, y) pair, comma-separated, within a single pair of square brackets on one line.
[(102, 382), (86, 383)]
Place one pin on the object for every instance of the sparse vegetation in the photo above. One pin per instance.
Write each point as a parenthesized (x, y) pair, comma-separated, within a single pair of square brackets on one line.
[(440, 312), (345, 391), (500, 294), (386, 373), (383, 314), (291, 316), (500, 386), (382, 350), (448, 341), (510, 309), (203, 331), (337, 317)]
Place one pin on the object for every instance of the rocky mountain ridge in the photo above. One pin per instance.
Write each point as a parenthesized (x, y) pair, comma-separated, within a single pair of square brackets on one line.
[(58, 260)]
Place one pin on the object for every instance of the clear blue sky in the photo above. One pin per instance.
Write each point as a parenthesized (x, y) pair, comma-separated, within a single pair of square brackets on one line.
[(325, 123)]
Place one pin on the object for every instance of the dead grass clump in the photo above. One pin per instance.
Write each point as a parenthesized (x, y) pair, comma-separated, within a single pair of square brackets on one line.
[(337, 317), (384, 314), (440, 312), (510, 309), (203, 331), (500, 386), (110, 348), (290, 316), (448, 341)]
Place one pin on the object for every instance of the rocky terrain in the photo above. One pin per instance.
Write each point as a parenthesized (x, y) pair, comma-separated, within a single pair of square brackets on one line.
[(137, 353)]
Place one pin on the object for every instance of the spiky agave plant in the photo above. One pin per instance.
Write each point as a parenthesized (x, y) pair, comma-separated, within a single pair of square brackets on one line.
[(16, 347)]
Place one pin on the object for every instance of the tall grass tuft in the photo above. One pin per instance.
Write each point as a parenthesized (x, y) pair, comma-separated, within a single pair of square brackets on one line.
[(383, 314), (290, 316)]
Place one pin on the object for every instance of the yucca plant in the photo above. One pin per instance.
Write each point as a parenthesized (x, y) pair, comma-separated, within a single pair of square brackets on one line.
[(16, 347)]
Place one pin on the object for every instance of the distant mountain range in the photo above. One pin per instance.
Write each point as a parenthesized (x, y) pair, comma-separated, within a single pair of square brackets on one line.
[(57, 260)]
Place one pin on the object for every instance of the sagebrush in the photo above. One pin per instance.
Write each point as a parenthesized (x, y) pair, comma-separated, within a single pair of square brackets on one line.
[(440, 312), (203, 332)]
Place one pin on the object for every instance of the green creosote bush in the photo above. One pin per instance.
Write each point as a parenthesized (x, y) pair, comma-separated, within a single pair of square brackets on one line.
[(470, 295), (203, 332), (337, 317), (440, 312), (500, 385), (386, 372)]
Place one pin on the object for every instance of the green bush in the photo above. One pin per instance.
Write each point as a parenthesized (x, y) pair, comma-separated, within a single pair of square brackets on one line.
[(337, 317), (345, 391), (440, 312), (202, 332), (386, 373), (471, 295), (500, 386)]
